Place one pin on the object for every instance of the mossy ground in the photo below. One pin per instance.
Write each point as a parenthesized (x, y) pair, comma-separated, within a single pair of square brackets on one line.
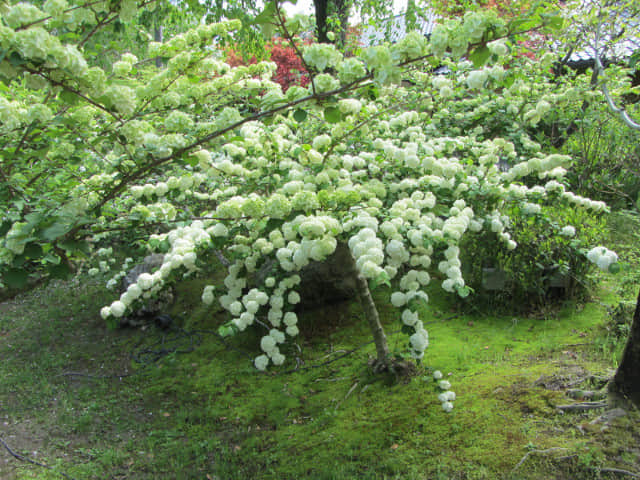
[(207, 413)]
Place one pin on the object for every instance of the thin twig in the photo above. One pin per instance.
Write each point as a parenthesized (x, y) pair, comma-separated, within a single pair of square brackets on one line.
[(353, 387), (33, 462), (86, 375), (72, 90)]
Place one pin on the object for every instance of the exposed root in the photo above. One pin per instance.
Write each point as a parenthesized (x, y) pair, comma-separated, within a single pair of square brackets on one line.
[(400, 368), (619, 471), (32, 462), (597, 380), (581, 407), (537, 452), (579, 394)]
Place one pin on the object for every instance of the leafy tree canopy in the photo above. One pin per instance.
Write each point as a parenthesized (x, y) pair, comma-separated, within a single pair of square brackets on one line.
[(378, 153)]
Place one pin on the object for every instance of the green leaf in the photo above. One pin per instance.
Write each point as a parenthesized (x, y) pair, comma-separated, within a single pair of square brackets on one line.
[(16, 277), (300, 115), (33, 251), (480, 56), (76, 246), (51, 258), (268, 30), (61, 270), (54, 231), (522, 25), (614, 267), (464, 291), (68, 97), (227, 330), (267, 15), (332, 115), (5, 227), (556, 22), (407, 330), (19, 261), (16, 60)]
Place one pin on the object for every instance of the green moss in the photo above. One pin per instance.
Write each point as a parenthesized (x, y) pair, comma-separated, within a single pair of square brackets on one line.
[(209, 412)]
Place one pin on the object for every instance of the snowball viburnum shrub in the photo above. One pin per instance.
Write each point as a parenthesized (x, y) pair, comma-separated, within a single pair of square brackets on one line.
[(186, 149)]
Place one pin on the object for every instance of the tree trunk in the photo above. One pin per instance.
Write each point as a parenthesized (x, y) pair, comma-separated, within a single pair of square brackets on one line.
[(157, 36), (321, 20), (626, 382), (342, 8), (371, 313)]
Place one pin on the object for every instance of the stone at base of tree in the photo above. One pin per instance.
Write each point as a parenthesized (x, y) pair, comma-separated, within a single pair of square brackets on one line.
[(608, 416), (493, 279), (154, 306), (327, 282)]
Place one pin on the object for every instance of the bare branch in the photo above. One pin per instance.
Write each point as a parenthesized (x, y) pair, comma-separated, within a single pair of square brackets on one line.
[(598, 70)]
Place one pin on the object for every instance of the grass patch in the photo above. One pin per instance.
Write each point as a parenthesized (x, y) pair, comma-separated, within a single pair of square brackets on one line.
[(208, 413)]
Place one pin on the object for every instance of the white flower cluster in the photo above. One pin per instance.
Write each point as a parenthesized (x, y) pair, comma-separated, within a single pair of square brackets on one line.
[(114, 281), (451, 268), (208, 296), (349, 106), (269, 345), (123, 66), (322, 56), (366, 248), (595, 205), (540, 165), (184, 241), (419, 340), (602, 257), (447, 397), (457, 224)]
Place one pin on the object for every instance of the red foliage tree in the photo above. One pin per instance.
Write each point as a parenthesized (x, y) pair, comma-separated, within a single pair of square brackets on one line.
[(290, 69)]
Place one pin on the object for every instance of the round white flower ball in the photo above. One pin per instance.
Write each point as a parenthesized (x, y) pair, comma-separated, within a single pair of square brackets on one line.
[(261, 362), (118, 308), (398, 299), (293, 298)]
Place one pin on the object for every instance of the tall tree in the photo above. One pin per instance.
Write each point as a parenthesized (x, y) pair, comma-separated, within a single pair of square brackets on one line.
[(605, 23)]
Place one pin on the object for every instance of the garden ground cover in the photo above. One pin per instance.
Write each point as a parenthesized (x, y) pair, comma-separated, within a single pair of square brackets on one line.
[(72, 397)]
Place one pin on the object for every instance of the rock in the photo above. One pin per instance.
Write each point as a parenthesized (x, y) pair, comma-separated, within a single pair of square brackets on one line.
[(154, 306), (322, 283), (327, 282), (608, 416)]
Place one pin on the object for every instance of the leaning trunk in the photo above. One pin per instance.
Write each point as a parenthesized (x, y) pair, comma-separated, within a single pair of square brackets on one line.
[(626, 382), (373, 319)]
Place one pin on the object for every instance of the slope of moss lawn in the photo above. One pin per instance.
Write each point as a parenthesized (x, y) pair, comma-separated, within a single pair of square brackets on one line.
[(208, 413)]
